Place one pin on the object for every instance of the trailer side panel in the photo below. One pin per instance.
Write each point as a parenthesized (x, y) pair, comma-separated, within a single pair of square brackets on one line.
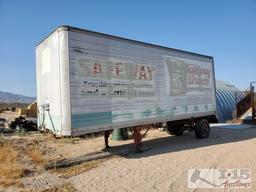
[(119, 83)]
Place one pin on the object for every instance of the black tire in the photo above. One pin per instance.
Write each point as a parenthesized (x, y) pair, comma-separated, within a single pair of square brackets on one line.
[(202, 129), (174, 130)]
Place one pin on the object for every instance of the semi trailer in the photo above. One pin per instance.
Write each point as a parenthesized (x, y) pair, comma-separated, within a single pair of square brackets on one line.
[(89, 82)]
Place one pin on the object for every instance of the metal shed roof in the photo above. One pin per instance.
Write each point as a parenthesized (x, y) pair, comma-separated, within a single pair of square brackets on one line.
[(226, 100)]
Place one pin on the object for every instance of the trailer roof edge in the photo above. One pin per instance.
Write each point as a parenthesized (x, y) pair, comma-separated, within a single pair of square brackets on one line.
[(70, 28)]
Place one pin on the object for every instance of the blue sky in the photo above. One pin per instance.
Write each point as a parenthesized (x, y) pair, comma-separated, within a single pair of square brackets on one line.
[(224, 29)]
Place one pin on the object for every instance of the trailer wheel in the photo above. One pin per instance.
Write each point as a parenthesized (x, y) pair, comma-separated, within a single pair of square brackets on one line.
[(202, 129), (174, 130)]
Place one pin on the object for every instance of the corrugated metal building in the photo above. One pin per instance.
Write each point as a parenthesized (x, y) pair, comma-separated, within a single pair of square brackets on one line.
[(226, 100)]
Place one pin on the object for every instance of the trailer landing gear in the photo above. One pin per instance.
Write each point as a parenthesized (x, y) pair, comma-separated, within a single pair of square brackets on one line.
[(137, 136), (136, 133), (106, 136)]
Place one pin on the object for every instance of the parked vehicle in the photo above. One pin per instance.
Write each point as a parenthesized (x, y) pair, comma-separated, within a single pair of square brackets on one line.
[(22, 124), (89, 81)]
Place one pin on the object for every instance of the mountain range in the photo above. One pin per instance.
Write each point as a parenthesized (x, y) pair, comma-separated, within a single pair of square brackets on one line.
[(6, 97)]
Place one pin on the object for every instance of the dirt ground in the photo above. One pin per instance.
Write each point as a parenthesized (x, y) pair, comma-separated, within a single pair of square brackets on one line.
[(162, 166)]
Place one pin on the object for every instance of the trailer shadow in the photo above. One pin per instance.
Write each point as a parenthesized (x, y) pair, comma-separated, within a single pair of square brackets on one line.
[(187, 141)]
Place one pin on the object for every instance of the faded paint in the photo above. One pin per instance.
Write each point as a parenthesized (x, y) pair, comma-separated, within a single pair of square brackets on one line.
[(115, 83)]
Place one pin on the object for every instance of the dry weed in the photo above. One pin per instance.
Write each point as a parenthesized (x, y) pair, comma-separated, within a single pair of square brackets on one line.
[(77, 169), (10, 168), (35, 154)]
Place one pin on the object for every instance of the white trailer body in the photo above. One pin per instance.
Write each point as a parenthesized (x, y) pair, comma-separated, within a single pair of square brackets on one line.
[(89, 82)]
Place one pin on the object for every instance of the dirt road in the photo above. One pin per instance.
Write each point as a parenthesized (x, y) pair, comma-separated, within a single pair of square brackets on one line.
[(164, 166)]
